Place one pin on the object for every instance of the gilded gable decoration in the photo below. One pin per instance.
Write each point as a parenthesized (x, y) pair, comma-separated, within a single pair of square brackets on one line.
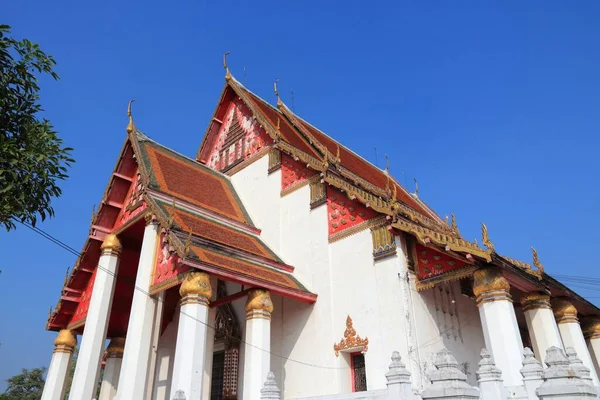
[(274, 160), (351, 340), (317, 193), (384, 243)]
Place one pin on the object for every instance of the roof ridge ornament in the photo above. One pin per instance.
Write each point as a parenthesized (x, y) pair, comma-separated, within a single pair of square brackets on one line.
[(486, 238), (227, 72), (130, 126), (279, 102), (454, 225), (536, 260)]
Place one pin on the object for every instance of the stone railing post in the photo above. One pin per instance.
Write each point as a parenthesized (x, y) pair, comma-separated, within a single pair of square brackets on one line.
[(270, 390), (447, 381), (489, 377), (533, 373), (398, 380), (580, 369), (561, 381)]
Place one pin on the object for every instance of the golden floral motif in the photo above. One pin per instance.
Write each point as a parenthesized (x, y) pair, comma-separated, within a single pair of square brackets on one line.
[(111, 243), (65, 339), (116, 347), (489, 280), (535, 300), (259, 299), (351, 340), (564, 310), (196, 282)]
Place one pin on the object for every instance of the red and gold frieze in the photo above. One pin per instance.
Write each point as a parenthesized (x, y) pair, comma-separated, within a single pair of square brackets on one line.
[(343, 213), (134, 203), (239, 138), (432, 263), (168, 269), (293, 172), (78, 318)]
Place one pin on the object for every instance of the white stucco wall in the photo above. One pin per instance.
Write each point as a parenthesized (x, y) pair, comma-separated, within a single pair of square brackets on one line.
[(383, 305)]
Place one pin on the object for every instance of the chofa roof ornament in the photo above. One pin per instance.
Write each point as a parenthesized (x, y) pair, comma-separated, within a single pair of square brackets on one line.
[(227, 73), (130, 126), (486, 239), (536, 260)]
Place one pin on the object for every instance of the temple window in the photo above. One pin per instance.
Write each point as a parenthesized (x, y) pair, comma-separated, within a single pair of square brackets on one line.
[(359, 374)]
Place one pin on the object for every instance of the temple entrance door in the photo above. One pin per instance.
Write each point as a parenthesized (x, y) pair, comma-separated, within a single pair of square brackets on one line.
[(216, 384)]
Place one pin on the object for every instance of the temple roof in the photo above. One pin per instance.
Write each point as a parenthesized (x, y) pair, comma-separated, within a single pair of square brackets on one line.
[(205, 222)]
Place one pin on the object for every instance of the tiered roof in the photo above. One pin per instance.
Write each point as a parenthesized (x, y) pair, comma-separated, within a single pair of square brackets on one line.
[(205, 222)]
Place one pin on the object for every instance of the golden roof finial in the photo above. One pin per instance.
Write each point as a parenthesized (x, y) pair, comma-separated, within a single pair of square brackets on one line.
[(536, 260), (454, 224), (485, 238), (66, 277), (416, 187), (130, 126), (275, 88), (227, 73)]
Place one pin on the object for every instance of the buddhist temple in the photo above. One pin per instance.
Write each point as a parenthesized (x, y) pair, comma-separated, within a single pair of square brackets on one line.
[(277, 249)]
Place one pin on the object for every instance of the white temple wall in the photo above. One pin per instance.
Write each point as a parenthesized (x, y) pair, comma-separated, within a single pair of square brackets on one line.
[(382, 304), (260, 193), (440, 323)]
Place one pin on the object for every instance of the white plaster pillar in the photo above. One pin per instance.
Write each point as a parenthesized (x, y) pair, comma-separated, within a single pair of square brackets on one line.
[(499, 323), (54, 388), (210, 346), (136, 357), (541, 324), (571, 333), (190, 350), (85, 378), (112, 369), (257, 347), (591, 333)]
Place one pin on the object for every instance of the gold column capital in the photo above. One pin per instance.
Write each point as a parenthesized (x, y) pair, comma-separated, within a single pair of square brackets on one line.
[(65, 341), (111, 245), (535, 300), (259, 304), (116, 347), (591, 327), (564, 310), (195, 288), (490, 285)]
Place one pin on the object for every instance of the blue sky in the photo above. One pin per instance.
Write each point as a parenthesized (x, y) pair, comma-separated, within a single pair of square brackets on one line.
[(493, 106)]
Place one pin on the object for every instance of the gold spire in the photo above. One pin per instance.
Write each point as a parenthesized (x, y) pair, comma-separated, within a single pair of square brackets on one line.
[(66, 277), (130, 126), (277, 92), (536, 260), (454, 224), (227, 73), (485, 238)]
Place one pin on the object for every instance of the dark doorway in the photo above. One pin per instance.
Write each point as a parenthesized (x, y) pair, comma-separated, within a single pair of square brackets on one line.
[(359, 374), (216, 384)]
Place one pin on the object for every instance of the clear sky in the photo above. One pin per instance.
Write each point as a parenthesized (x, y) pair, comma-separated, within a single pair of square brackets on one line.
[(493, 106)]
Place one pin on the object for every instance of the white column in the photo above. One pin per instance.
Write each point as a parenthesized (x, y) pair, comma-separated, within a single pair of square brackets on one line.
[(592, 337), (210, 346), (136, 357), (571, 333), (257, 347), (96, 324), (112, 369), (156, 330), (499, 323), (541, 324), (190, 350), (54, 388)]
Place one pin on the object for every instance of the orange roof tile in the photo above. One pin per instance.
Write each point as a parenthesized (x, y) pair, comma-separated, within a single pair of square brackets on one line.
[(186, 179)]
